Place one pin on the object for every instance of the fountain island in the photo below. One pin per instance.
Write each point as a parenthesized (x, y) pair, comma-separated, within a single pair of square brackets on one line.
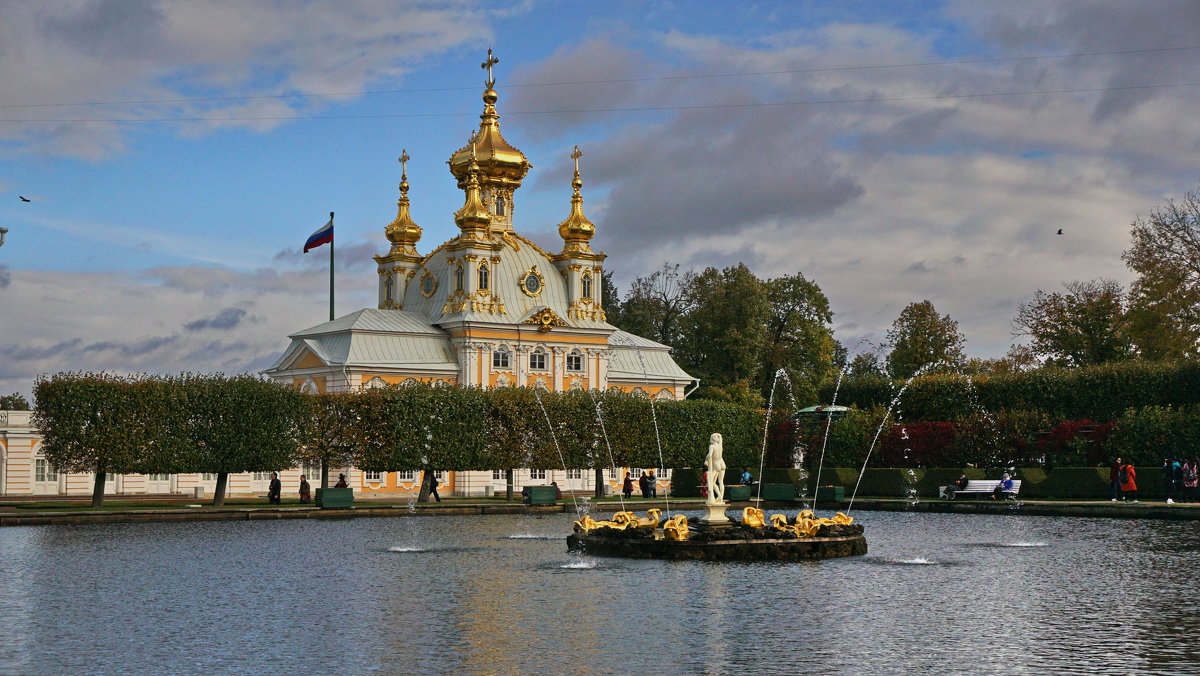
[(715, 537)]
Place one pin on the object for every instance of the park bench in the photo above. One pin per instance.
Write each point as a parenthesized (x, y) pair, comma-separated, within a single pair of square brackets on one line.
[(982, 487), (540, 495)]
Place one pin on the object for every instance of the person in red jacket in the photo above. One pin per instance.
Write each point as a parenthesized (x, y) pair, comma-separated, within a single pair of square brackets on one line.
[(1129, 481)]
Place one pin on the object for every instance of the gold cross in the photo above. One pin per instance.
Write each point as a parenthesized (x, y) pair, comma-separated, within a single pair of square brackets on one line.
[(575, 156), (491, 61), (404, 158)]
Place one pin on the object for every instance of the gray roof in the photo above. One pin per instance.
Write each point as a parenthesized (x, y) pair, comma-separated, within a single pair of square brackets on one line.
[(370, 319), (634, 358)]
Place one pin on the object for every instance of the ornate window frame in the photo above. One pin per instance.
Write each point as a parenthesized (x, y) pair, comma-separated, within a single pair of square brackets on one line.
[(532, 273), (432, 284), (541, 353)]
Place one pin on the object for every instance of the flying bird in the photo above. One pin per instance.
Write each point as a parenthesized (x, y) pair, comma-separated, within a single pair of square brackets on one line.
[(1060, 231), (24, 198)]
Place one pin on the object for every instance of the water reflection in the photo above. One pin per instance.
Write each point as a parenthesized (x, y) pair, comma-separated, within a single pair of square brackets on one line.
[(501, 595)]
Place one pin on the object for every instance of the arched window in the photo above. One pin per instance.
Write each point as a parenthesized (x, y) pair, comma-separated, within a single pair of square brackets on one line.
[(500, 358), (587, 285), (43, 471), (501, 206), (484, 274), (537, 360), (458, 277), (388, 287), (575, 361)]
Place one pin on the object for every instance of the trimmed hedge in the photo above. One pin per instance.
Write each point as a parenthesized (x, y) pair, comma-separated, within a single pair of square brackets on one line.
[(1101, 392)]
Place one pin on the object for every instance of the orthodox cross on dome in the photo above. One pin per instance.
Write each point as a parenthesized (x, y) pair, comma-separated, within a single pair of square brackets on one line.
[(404, 158), (575, 156), (487, 65)]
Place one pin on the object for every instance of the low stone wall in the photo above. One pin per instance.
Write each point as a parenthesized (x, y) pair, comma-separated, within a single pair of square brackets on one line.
[(807, 549)]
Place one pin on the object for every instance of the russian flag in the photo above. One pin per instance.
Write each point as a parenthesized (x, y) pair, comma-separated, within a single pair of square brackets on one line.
[(323, 235)]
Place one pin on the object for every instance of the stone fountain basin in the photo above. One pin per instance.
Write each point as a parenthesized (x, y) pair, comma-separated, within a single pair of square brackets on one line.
[(790, 549)]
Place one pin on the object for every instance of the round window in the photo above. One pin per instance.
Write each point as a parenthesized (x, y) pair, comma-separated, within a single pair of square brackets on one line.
[(428, 284), (533, 284)]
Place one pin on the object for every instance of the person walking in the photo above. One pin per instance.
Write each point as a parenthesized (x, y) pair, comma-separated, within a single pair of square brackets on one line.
[(1128, 476), (305, 490), (1114, 480), (433, 484), (627, 485), (275, 489), (1168, 480)]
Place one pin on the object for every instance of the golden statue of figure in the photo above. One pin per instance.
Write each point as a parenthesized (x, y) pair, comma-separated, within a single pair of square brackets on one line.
[(753, 517), (651, 520), (676, 528)]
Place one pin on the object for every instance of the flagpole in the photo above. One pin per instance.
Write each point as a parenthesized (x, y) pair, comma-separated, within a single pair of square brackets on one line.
[(331, 272)]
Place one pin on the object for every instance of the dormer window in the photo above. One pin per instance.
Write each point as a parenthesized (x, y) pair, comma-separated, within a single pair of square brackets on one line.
[(587, 285), (537, 360), (484, 274), (501, 206)]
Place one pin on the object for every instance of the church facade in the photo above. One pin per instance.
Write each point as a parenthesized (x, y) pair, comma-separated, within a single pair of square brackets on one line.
[(487, 308)]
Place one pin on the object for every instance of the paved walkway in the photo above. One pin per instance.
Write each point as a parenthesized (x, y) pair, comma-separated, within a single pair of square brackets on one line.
[(10, 515)]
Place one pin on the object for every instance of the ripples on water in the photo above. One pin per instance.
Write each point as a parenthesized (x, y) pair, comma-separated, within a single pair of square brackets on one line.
[(500, 594)]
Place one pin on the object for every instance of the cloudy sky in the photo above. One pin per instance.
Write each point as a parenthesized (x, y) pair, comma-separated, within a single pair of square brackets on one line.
[(177, 153)]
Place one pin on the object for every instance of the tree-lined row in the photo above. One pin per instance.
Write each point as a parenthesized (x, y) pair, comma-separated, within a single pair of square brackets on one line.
[(1101, 392), (216, 424), (1143, 435)]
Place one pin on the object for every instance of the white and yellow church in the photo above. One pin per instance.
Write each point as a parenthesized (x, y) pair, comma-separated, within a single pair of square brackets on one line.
[(488, 308)]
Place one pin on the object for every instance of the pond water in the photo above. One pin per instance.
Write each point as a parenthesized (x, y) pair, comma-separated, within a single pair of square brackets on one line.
[(499, 595)]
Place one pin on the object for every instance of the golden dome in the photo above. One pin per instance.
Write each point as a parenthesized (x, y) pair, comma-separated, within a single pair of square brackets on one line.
[(500, 164), (473, 217), (403, 232), (577, 230)]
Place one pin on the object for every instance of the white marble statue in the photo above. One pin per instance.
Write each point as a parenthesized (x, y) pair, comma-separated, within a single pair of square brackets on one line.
[(716, 469)]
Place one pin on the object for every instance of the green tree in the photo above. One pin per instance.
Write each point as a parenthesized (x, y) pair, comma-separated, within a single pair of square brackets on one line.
[(14, 402), (726, 327), (610, 298), (1085, 326), (920, 336), (241, 424), (96, 422), (865, 364), (799, 336), (1164, 300), (655, 306), (324, 431)]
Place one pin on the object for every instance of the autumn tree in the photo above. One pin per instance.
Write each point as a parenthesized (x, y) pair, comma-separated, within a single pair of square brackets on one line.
[(1085, 326), (656, 305), (1164, 301), (919, 337)]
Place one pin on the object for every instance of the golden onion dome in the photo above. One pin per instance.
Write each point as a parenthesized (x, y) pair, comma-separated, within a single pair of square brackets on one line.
[(577, 230), (500, 164), (473, 216), (403, 232)]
